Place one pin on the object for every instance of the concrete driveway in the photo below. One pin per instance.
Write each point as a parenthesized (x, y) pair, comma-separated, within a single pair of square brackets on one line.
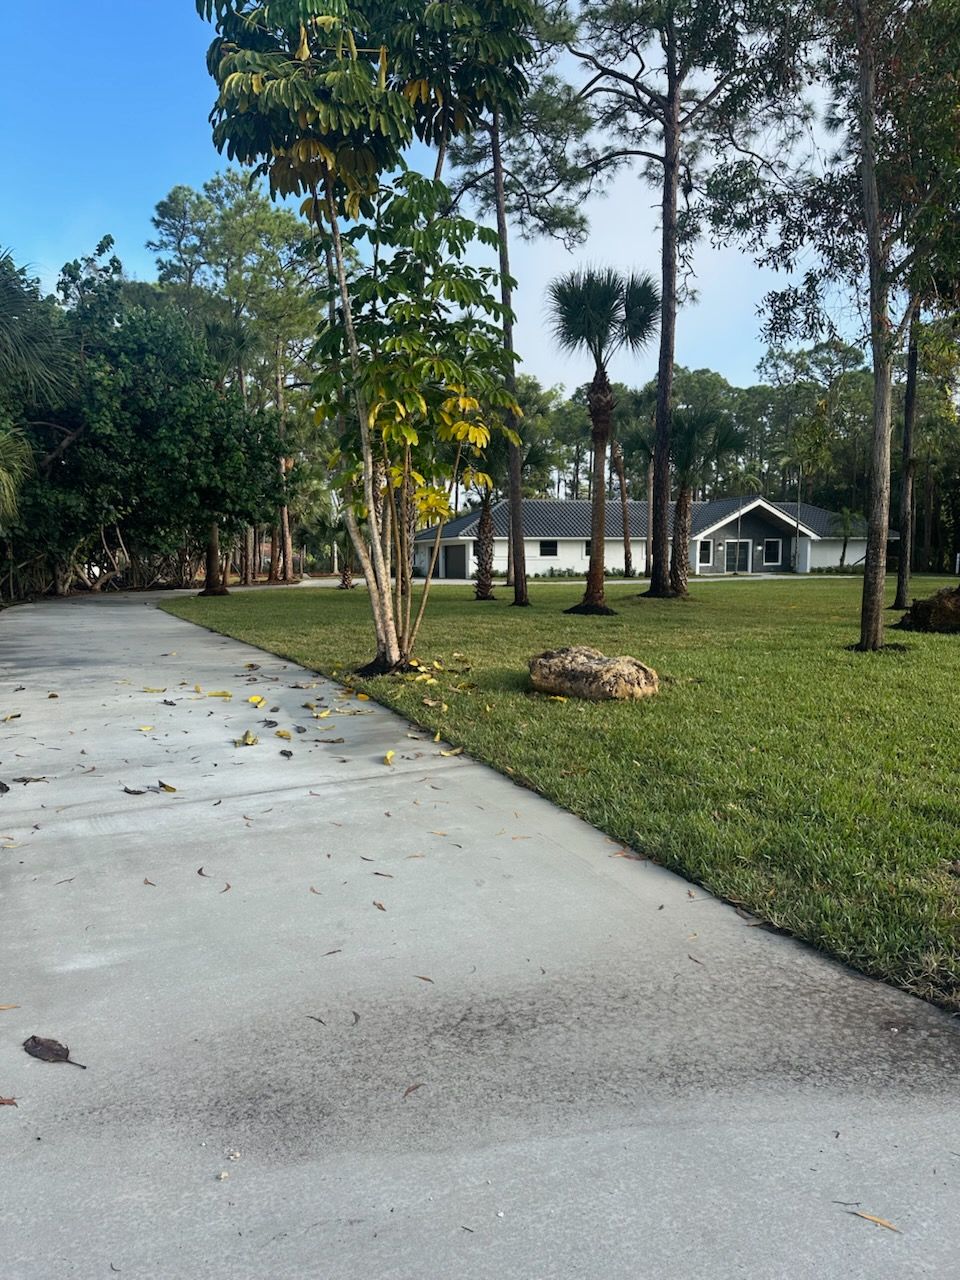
[(356, 1021)]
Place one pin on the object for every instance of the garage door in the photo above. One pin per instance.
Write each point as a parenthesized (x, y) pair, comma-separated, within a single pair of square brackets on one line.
[(454, 562)]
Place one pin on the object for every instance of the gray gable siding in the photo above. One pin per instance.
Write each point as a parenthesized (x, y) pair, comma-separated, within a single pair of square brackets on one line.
[(755, 527)]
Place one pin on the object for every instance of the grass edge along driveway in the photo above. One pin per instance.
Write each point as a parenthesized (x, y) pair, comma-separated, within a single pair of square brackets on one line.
[(815, 787)]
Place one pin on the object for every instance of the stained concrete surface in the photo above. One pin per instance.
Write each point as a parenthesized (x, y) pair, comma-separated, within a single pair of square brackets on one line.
[(616, 1075)]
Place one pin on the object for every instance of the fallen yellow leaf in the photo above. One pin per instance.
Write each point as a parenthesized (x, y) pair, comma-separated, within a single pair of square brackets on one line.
[(436, 736), (249, 739), (146, 728), (363, 697), (457, 751), (256, 699), (197, 689), (219, 693), (880, 1222), (165, 786), (148, 689), (322, 715), (388, 758), (285, 734)]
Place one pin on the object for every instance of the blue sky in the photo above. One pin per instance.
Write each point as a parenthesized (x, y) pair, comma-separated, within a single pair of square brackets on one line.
[(105, 109)]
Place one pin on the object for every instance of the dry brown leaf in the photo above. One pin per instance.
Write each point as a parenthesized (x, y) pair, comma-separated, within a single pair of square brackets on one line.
[(5, 1007), (386, 874), (880, 1222), (412, 1089), (149, 882), (422, 978), (201, 872), (227, 887), (379, 905), (335, 952), (319, 895), (165, 786), (8, 1102)]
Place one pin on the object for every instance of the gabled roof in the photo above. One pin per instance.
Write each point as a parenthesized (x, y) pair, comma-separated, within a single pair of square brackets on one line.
[(570, 518), (718, 514)]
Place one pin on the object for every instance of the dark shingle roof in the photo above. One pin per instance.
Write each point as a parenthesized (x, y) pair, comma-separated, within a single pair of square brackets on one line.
[(558, 518)]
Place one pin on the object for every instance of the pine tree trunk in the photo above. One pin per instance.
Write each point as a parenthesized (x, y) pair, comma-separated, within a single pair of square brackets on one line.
[(286, 542), (902, 600), (878, 510), (624, 508), (520, 594), (249, 553), (600, 403), (660, 567), (648, 569), (484, 587), (274, 574), (680, 555)]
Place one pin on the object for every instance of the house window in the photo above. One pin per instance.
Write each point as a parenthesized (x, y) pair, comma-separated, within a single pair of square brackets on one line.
[(772, 551), (586, 548), (706, 554), (548, 548)]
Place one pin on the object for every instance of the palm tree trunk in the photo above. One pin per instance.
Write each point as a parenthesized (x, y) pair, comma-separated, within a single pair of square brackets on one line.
[(484, 587), (600, 401), (624, 508), (680, 555), (909, 466), (520, 594)]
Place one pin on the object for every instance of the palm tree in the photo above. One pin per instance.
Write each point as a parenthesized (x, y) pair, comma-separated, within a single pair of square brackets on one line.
[(701, 439), (599, 310)]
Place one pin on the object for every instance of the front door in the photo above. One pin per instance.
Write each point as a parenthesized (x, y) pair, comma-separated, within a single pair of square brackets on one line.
[(738, 557)]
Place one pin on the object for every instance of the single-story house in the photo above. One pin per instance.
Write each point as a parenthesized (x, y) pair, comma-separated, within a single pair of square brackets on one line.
[(728, 535)]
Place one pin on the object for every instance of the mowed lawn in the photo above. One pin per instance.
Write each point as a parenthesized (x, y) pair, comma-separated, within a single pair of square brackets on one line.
[(816, 787)]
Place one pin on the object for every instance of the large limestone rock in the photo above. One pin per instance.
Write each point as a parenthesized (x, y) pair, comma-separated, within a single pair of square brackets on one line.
[(586, 673), (939, 612)]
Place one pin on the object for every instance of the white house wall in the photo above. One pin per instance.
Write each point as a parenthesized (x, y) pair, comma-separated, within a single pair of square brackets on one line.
[(571, 556), (826, 553)]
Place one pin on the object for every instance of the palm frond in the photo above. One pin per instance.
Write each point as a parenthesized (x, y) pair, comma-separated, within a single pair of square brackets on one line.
[(641, 310), (16, 463), (30, 349), (586, 311)]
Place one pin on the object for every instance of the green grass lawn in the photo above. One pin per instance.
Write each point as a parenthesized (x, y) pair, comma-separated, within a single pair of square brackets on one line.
[(817, 787)]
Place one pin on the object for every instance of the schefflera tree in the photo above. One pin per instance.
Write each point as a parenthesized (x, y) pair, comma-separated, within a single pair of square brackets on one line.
[(433, 377), (310, 97)]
